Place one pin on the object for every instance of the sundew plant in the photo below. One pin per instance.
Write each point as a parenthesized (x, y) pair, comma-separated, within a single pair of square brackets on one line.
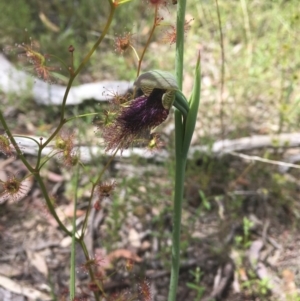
[(130, 120)]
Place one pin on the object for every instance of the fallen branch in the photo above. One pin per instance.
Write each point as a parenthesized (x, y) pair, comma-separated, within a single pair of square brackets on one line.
[(260, 159), (218, 149), (250, 143)]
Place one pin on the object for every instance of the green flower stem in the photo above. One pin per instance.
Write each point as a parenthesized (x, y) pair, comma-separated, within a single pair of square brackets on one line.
[(84, 225), (62, 119), (178, 198), (49, 202), (73, 247), (181, 5), (180, 157), (148, 41), (83, 247), (78, 70), (90, 270), (88, 56), (72, 78), (38, 164)]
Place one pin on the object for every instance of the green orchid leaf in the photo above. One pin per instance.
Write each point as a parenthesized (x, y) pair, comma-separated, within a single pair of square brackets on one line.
[(194, 102)]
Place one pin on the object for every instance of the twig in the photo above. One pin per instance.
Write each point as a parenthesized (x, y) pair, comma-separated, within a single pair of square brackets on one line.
[(257, 158)]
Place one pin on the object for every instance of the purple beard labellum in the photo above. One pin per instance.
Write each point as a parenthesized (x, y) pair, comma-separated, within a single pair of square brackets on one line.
[(142, 113)]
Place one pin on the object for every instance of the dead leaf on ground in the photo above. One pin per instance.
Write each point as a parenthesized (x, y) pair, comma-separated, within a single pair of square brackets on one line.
[(38, 261), (120, 253), (20, 289)]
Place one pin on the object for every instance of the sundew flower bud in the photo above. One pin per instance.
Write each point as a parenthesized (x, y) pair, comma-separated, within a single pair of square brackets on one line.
[(171, 34), (145, 291), (70, 158), (154, 96), (64, 141), (5, 146), (65, 145), (123, 43), (38, 61), (105, 189)]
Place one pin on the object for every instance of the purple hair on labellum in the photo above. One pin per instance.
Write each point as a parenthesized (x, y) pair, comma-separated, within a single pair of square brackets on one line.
[(154, 96), (143, 112)]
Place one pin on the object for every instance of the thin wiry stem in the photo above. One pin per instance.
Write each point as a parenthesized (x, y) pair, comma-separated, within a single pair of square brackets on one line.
[(222, 72), (77, 71), (148, 41), (135, 53), (73, 246), (84, 225)]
